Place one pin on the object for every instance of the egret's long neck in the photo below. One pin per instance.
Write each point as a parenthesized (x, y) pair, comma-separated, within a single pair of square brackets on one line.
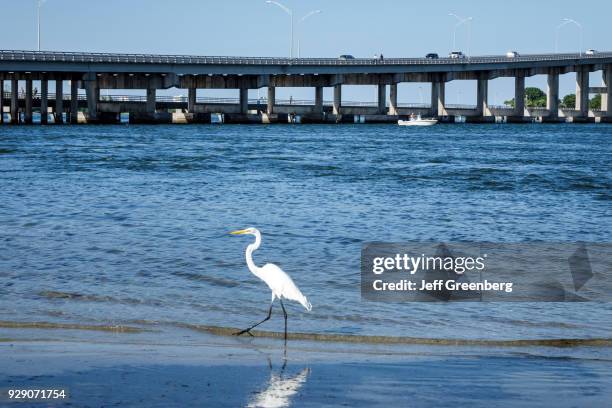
[(249, 253)]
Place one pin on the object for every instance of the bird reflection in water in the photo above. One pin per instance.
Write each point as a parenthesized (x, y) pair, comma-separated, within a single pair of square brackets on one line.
[(281, 388)]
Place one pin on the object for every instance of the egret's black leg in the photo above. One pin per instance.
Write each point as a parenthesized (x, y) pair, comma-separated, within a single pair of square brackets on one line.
[(248, 330), (285, 313)]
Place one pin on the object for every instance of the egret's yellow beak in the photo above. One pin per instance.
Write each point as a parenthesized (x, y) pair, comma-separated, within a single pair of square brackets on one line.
[(239, 232)]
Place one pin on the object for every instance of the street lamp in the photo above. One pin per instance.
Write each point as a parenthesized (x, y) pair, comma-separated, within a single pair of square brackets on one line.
[(40, 3), (308, 15), (290, 13), (461, 21), (565, 22)]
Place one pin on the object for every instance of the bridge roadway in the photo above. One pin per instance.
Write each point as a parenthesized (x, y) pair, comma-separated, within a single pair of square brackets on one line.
[(96, 71)]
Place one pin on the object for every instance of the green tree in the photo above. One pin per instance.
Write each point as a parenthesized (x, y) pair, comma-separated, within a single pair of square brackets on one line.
[(534, 98), (595, 102), (568, 101)]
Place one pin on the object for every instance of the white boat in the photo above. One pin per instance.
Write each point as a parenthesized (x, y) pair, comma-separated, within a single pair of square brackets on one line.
[(417, 121)]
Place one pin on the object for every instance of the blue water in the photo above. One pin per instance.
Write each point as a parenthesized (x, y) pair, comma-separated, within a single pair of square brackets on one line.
[(129, 224)]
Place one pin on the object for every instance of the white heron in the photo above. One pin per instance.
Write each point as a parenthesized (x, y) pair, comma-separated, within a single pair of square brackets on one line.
[(278, 281)]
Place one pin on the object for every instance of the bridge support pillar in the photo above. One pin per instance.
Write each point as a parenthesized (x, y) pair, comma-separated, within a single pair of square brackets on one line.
[(393, 99), (382, 99), (93, 95), (151, 95), (582, 93), (191, 100), (59, 101), (606, 106), (271, 100), (337, 105), (482, 101), (244, 100), (1, 101), (518, 115), (44, 101), (438, 91), (14, 101), (519, 96), (318, 106), (28, 102), (552, 97), (435, 94), (74, 101)]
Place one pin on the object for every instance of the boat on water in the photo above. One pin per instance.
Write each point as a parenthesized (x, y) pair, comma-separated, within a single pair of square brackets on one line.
[(417, 121)]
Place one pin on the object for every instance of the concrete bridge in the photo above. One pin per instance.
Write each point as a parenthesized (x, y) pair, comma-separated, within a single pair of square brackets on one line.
[(93, 72)]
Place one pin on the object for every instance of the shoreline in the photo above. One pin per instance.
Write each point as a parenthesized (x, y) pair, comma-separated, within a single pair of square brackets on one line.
[(228, 332)]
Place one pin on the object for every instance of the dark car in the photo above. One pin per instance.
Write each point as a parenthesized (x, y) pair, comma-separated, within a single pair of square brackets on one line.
[(432, 55), (345, 57)]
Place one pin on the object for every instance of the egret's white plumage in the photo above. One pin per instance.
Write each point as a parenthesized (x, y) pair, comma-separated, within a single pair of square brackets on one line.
[(281, 284)]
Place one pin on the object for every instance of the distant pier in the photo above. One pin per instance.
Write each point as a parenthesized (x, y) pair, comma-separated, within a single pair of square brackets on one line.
[(95, 72)]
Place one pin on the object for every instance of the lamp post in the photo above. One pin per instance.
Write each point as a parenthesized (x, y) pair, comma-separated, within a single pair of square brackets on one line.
[(40, 3), (461, 21), (565, 22), (308, 15), (290, 13)]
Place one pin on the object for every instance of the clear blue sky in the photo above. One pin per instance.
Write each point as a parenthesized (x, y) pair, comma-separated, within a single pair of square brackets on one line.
[(358, 27)]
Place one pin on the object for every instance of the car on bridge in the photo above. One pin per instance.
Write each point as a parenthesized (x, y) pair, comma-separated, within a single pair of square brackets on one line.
[(591, 51), (345, 57), (456, 55), (512, 54), (432, 55)]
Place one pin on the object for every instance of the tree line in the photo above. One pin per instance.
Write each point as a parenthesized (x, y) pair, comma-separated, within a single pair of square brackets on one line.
[(536, 98)]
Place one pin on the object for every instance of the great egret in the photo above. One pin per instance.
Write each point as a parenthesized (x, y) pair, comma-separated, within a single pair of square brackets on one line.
[(278, 281)]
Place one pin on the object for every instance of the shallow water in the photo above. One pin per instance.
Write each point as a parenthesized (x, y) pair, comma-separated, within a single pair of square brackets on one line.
[(215, 371), (432, 382), (127, 225)]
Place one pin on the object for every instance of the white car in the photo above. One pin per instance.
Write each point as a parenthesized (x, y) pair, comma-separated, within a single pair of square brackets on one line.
[(590, 51), (512, 54), (456, 55)]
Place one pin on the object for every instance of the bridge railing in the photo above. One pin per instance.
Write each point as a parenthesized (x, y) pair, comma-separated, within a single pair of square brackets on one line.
[(55, 56), (184, 99), (459, 106), (413, 105), (36, 95), (180, 99)]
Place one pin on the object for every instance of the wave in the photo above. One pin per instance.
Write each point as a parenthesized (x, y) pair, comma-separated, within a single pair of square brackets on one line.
[(53, 294), (323, 337), (365, 339), (223, 282), (70, 326)]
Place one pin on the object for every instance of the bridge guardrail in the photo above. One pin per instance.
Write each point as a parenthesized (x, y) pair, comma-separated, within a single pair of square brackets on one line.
[(55, 56), (263, 102)]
